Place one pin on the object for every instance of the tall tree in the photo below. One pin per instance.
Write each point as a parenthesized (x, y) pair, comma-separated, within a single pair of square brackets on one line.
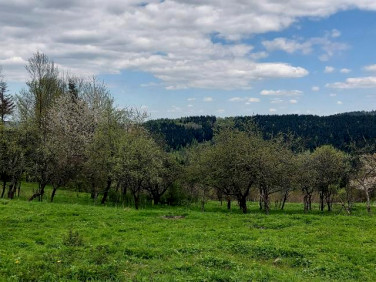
[(7, 105), (70, 131), (43, 88)]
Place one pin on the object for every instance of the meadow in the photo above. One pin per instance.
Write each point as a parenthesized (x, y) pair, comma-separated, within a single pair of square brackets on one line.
[(76, 239)]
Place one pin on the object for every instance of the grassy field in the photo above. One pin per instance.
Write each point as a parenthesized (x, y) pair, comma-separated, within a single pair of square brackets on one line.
[(73, 239)]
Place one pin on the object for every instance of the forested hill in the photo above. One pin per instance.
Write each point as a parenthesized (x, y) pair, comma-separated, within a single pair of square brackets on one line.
[(339, 130)]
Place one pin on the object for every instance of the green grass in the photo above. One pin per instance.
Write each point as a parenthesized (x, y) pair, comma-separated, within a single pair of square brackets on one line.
[(75, 239)]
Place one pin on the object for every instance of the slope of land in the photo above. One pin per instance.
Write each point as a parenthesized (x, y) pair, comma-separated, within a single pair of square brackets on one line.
[(67, 241)]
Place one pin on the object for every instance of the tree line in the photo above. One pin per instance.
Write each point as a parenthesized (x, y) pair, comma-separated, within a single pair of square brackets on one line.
[(67, 132), (343, 131)]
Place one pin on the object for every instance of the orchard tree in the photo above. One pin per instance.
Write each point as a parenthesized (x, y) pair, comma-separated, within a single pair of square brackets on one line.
[(365, 178), (233, 162), (70, 132), (285, 169), (331, 166), (168, 172), (305, 178), (197, 172), (269, 169), (139, 162), (102, 151), (43, 88)]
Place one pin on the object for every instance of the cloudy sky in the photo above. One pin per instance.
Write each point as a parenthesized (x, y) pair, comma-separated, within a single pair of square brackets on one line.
[(177, 58)]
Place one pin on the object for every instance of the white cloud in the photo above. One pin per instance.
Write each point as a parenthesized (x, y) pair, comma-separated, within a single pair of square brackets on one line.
[(287, 45), (236, 99), (247, 100), (329, 69), (272, 110), (355, 82), (189, 105), (293, 101), (339, 102), (220, 111), (325, 45), (253, 100), (281, 92), (315, 88), (332, 94), (208, 99), (259, 55), (276, 101), (345, 70), (335, 33), (169, 39), (371, 68)]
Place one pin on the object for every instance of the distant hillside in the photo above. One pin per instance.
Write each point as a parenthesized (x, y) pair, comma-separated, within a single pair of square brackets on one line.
[(339, 130)]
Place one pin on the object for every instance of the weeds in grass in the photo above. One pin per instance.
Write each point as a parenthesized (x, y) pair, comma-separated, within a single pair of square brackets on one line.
[(73, 239)]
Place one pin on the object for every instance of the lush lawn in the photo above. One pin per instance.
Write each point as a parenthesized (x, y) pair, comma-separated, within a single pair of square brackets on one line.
[(67, 241)]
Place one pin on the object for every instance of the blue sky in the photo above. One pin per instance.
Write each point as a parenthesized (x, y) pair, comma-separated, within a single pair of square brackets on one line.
[(180, 58)]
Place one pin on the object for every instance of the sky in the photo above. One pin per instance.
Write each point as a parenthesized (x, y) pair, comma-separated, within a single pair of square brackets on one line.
[(177, 58)]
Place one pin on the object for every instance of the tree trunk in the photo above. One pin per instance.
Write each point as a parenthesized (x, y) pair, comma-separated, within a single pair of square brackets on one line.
[(12, 190), (305, 200), (4, 187), (19, 189), (42, 192), (260, 199), (93, 193), (156, 199), (329, 201), (243, 204), (284, 199), (321, 201), (266, 202), (124, 194), (228, 203), (105, 194), (53, 193), (310, 202), (368, 202), (38, 194), (136, 200)]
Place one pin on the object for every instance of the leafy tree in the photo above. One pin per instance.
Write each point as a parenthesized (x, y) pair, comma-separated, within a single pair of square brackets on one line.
[(167, 174), (270, 169), (365, 178), (305, 178), (139, 163), (234, 163), (70, 131), (197, 173), (34, 103), (331, 166)]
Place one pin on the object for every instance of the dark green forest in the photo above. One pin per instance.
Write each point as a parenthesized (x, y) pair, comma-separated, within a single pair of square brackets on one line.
[(346, 131)]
